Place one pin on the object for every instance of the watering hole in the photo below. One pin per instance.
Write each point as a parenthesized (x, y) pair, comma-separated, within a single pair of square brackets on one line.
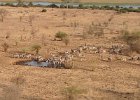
[(46, 64)]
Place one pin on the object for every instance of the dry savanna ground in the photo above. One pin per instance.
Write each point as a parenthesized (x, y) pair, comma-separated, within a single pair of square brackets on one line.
[(89, 79), (96, 1)]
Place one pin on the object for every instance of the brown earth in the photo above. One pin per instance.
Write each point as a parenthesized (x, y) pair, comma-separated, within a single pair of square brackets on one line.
[(100, 80)]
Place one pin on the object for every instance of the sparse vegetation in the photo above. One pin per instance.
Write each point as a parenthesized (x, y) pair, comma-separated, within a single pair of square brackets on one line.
[(33, 32), (66, 40), (44, 10), (69, 4), (7, 35), (11, 92), (69, 65), (64, 16), (20, 18), (43, 39), (74, 24), (30, 4), (3, 14), (24, 50), (16, 43), (18, 80), (36, 48), (61, 35), (66, 2), (81, 6), (5, 46), (133, 40), (19, 2), (72, 92), (95, 30), (31, 19), (99, 62)]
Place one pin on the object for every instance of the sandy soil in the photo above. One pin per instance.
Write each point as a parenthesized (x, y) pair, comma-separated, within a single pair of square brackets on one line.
[(100, 80)]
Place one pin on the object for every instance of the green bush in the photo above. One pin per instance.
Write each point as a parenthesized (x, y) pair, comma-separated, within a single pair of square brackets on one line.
[(61, 35)]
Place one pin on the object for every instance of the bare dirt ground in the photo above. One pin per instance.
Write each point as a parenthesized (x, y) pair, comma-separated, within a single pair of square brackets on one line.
[(100, 80)]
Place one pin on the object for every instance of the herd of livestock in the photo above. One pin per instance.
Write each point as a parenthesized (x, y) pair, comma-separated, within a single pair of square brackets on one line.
[(64, 57)]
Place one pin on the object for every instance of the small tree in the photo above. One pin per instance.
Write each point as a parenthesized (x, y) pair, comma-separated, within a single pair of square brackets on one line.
[(36, 48), (3, 13), (5, 47)]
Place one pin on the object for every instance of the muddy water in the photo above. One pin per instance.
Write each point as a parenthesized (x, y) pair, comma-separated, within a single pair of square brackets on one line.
[(37, 64), (41, 64)]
